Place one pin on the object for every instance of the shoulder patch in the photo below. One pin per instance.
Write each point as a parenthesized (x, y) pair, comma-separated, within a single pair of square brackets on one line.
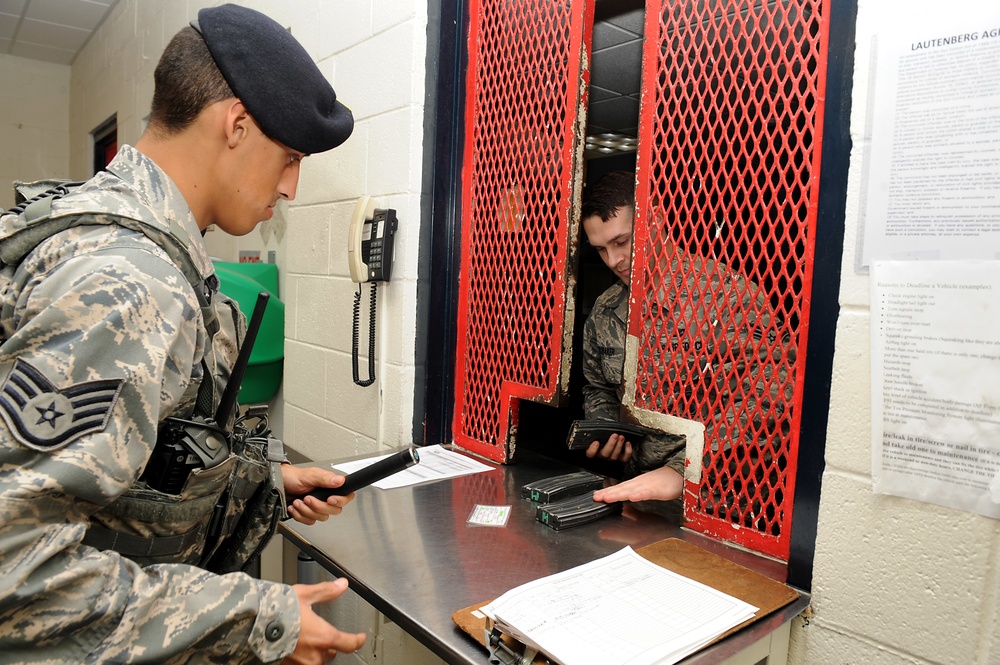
[(44, 417)]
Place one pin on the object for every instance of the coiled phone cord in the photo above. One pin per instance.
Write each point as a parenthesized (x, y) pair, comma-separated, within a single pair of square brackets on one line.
[(371, 337)]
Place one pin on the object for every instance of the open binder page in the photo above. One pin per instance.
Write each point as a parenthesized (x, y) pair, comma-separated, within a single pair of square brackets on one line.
[(621, 609)]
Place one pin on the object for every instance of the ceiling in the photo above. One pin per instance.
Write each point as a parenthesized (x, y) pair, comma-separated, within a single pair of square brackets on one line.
[(49, 30), (615, 66)]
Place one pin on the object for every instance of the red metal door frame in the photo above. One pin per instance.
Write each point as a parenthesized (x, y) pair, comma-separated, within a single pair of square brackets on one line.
[(730, 133), (527, 86), (730, 138)]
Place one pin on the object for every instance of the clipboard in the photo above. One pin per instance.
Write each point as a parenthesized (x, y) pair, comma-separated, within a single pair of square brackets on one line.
[(676, 555)]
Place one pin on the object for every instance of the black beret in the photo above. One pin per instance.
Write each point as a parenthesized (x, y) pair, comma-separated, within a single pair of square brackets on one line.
[(274, 77)]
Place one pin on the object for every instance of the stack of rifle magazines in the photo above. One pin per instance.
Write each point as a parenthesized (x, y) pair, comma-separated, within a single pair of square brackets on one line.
[(567, 500)]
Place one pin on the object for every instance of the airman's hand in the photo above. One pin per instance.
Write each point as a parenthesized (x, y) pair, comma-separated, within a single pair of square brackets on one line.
[(663, 484), (299, 481), (617, 449), (318, 640)]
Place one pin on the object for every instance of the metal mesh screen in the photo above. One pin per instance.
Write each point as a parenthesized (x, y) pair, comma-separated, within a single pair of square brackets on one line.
[(525, 83), (728, 167)]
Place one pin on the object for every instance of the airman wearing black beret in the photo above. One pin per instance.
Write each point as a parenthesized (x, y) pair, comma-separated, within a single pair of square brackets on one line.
[(123, 332)]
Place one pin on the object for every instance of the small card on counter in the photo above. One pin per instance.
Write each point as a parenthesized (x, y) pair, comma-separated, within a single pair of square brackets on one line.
[(489, 515)]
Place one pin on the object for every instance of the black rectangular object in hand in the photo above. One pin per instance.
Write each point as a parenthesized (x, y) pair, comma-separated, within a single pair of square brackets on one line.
[(584, 432), (371, 474)]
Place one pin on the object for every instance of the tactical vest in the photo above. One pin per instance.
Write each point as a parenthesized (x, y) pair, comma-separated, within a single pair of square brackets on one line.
[(223, 515)]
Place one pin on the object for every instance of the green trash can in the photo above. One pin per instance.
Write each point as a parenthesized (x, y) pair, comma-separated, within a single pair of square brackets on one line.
[(242, 282)]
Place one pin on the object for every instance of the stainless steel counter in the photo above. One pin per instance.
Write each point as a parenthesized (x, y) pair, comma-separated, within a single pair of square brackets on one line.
[(410, 553)]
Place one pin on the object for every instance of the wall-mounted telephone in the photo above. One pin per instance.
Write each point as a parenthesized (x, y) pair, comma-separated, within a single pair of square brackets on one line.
[(369, 258), (370, 242)]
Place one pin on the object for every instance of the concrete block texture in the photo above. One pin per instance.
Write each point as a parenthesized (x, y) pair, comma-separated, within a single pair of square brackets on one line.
[(343, 25), (394, 151), (306, 364), (396, 345), (309, 233), (816, 643), (322, 439), (387, 13), (338, 175), (848, 445), (902, 576), (383, 73), (396, 417), (351, 406), (324, 308)]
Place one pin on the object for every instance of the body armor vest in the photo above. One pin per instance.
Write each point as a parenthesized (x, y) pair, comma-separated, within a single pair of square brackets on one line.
[(221, 514)]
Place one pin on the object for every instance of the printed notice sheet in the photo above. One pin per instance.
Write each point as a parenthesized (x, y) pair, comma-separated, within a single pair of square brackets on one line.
[(436, 463), (931, 178), (935, 385), (619, 610)]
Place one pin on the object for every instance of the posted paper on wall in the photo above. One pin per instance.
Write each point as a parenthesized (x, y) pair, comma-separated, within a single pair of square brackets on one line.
[(935, 391), (932, 165)]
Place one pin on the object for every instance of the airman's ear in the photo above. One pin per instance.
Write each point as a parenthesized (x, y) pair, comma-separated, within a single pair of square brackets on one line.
[(237, 123)]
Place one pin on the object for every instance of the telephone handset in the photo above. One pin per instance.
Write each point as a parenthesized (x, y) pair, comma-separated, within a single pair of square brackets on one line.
[(370, 242), (369, 258)]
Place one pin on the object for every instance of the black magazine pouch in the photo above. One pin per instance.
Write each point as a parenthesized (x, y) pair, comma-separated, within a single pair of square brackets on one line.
[(150, 526), (255, 502)]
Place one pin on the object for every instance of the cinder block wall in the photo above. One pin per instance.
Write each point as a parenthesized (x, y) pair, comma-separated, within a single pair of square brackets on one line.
[(895, 581), (34, 123)]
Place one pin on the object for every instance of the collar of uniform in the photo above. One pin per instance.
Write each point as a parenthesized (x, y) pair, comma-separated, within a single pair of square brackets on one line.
[(619, 301), (165, 205)]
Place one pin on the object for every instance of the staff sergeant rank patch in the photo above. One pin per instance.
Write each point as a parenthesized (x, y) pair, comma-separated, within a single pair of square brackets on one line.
[(45, 418)]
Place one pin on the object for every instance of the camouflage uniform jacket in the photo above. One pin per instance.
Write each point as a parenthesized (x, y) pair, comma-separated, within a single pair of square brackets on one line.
[(99, 322), (603, 365), (745, 373)]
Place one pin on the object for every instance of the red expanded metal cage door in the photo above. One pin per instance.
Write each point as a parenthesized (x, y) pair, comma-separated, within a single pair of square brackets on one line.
[(527, 82), (727, 177)]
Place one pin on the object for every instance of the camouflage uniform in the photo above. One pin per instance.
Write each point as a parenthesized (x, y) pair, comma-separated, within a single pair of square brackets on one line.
[(102, 323), (739, 321), (603, 364)]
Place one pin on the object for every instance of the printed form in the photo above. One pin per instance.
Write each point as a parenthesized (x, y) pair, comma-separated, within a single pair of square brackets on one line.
[(621, 609), (436, 463)]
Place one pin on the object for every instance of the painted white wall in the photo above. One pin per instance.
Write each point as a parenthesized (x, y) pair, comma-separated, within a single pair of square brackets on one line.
[(34, 123), (894, 581)]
